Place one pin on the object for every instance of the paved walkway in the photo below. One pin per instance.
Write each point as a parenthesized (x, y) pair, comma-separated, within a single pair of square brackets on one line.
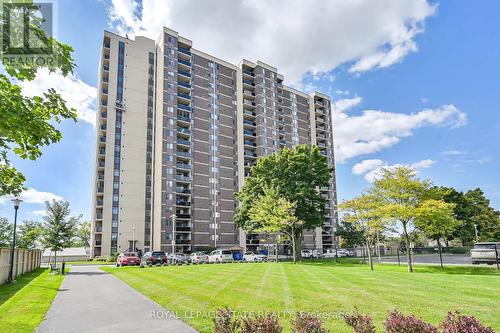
[(91, 300)]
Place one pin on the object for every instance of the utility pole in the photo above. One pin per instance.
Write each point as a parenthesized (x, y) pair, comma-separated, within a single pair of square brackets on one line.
[(174, 218), (133, 239)]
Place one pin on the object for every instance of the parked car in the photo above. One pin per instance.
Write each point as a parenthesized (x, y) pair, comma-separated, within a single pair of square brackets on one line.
[(154, 258), (128, 259), (249, 256), (330, 253), (178, 258), (484, 253), (220, 256), (199, 258), (314, 253), (343, 253)]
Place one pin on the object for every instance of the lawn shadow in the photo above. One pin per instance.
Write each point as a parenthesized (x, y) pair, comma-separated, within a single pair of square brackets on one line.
[(459, 270), (342, 262), (7, 290)]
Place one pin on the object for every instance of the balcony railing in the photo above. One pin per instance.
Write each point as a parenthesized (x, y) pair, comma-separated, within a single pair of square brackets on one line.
[(183, 130), (183, 178), (249, 72), (183, 142), (249, 122), (182, 203), (250, 143), (249, 82), (184, 107), (100, 189), (182, 190), (183, 154), (186, 96), (183, 118), (183, 216), (184, 84), (183, 166), (184, 73), (247, 132), (184, 50), (184, 62)]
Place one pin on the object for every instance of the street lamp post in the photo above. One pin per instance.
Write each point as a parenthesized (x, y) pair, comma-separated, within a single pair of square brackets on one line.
[(133, 239), (174, 218), (477, 234), (16, 202)]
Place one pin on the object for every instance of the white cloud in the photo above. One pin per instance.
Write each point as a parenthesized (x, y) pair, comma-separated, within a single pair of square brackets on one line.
[(371, 169), (319, 34), (74, 91), (374, 130), (32, 196), (40, 213)]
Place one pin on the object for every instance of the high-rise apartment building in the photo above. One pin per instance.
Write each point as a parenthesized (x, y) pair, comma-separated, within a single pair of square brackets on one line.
[(177, 132)]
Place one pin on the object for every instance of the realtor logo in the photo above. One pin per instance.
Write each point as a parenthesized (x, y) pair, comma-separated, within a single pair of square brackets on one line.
[(27, 32)]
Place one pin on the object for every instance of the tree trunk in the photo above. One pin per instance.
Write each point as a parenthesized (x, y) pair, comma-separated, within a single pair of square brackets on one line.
[(370, 260), (408, 251), (294, 252), (440, 252), (276, 249), (55, 259)]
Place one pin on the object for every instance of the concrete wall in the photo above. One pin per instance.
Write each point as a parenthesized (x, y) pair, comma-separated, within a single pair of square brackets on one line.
[(24, 261)]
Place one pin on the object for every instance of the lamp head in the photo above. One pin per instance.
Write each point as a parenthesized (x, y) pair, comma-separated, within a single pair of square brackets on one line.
[(16, 202)]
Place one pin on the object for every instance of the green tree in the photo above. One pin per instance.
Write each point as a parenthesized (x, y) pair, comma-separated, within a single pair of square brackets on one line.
[(82, 236), (363, 215), (30, 235), (471, 209), (28, 123), (296, 175), (6, 229), (436, 220), (59, 226), (275, 215), (349, 235), (400, 193)]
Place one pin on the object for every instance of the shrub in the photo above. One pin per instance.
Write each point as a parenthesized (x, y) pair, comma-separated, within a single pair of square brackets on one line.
[(360, 323), (454, 323), (307, 323), (224, 322), (397, 322), (261, 324)]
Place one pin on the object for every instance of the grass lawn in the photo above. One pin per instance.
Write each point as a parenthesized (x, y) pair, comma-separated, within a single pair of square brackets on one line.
[(24, 303), (320, 287)]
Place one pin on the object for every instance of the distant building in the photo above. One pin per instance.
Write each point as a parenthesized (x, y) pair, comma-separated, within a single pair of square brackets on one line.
[(177, 133), (68, 254)]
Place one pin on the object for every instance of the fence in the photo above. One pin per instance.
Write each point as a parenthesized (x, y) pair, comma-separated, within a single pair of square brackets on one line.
[(24, 261)]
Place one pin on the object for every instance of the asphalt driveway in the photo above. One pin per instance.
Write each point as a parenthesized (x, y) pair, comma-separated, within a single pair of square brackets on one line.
[(91, 300)]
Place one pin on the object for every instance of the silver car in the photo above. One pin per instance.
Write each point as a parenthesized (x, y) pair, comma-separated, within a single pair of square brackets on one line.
[(178, 258), (198, 258), (485, 253)]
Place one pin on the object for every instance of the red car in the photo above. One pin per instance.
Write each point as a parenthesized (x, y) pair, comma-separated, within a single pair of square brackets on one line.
[(128, 259)]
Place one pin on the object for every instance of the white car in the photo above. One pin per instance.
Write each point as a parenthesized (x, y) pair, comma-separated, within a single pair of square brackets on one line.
[(198, 258), (220, 256), (330, 253), (316, 253), (249, 256), (485, 253)]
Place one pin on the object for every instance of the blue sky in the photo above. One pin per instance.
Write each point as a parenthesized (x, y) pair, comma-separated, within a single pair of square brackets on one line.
[(417, 84)]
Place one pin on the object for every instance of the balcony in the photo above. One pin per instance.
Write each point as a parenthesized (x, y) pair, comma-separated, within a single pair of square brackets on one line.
[(183, 228), (250, 143), (248, 82), (104, 114), (248, 72), (183, 166), (106, 68), (184, 154), (183, 95), (100, 190), (185, 73), (184, 51), (249, 122), (98, 229), (182, 203), (183, 241), (102, 139), (101, 164), (99, 202), (248, 93), (183, 216), (183, 178), (183, 142), (184, 84), (183, 130), (183, 118), (98, 242), (182, 190), (249, 133), (249, 113), (184, 62), (102, 151), (184, 107), (250, 154)]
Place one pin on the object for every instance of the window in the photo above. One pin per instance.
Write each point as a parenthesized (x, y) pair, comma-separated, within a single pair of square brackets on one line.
[(170, 145), (170, 109)]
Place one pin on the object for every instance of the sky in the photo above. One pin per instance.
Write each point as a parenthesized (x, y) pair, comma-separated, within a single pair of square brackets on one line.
[(413, 83)]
